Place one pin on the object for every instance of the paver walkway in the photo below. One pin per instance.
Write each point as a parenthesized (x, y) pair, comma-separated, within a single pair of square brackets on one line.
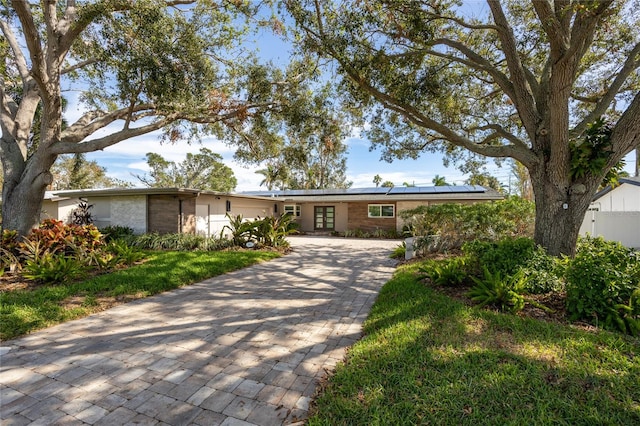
[(245, 348)]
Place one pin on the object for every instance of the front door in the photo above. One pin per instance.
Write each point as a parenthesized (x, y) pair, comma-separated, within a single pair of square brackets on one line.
[(324, 218)]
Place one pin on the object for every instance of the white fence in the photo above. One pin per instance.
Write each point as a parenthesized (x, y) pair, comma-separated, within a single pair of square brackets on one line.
[(613, 226)]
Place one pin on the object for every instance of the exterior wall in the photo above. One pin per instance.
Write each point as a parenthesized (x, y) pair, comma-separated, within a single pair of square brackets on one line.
[(211, 212), (613, 226), (359, 217), (59, 210), (307, 215), (130, 211), (624, 198), (101, 211), (163, 214)]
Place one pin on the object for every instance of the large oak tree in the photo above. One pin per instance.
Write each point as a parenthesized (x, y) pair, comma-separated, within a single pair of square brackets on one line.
[(525, 80), (178, 66)]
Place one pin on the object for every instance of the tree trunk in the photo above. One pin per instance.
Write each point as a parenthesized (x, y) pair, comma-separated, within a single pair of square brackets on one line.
[(560, 212), (22, 201)]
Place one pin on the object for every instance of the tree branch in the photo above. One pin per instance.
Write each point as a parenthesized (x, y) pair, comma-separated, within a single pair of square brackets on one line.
[(631, 64), (78, 65), (111, 139), (524, 98), (556, 31), (21, 61), (626, 133)]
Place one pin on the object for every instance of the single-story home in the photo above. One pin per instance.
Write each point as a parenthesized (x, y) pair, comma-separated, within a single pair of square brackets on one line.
[(614, 213), (167, 210)]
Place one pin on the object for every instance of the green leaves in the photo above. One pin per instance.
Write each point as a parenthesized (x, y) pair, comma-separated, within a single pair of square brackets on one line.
[(204, 171)]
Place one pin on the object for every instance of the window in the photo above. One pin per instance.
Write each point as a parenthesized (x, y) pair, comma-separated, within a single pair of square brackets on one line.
[(228, 206), (292, 209), (381, 210)]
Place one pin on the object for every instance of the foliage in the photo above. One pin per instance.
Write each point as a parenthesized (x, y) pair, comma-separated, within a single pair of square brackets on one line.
[(53, 268), (506, 256), (179, 242), (602, 285), (504, 292), (399, 251), (116, 232), (543, 273), (58, 237), (376, 233), (124, 253), (486, 180), (503, 81), (240, 229), (446, 272), (426, 358), (73, 171), (204, 170), (448, 226), (81, 215), (591, 155)]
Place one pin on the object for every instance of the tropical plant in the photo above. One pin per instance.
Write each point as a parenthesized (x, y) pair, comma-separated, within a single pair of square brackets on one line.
[(602, 284), (498, 290), (53, 268), (446, 272)]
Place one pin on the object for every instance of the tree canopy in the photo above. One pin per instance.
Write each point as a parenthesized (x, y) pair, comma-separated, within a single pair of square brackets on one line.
[(177, 66), (204, 170), (525, 80), (75, 172)]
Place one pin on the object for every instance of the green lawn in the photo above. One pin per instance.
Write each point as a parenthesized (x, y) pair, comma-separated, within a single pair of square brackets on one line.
[(427, 359), (24, 311)]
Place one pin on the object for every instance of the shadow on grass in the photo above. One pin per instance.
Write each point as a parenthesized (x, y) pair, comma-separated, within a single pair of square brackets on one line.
[(427, 359)]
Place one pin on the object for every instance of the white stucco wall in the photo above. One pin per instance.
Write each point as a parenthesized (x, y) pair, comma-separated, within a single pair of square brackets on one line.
[(130, 211), (624, 198)]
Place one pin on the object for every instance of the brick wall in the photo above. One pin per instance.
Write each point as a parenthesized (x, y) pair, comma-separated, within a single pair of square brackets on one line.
[(359, 218), (164, 211)]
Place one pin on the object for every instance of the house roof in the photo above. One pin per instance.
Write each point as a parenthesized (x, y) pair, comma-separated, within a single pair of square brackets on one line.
[(467, 192), (383, 194), (635, 181), (106, 192)]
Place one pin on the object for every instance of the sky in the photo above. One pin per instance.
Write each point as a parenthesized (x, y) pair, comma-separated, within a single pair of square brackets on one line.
[(127, 158)]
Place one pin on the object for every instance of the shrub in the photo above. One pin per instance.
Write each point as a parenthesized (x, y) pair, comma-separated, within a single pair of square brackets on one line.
[(502, 292), (58, 237), (603, 285), (52, 268), (446, 272), (543, 273), (399, 251), (117, 232), (123, 253), (506, 256), (450, 225)]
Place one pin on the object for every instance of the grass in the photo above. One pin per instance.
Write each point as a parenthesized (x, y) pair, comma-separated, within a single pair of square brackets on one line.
[(428, 359), (24, 311)]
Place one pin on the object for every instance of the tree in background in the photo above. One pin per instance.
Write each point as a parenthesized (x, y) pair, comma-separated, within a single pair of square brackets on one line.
[(309, 152), (179, 67), (439, 181), (387, 184), (75, 172), (377, 180), (204, 170), (522, 180), (486, 180), (529, 81)]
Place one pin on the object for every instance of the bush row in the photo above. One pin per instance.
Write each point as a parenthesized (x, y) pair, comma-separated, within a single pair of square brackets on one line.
[(602, 281)]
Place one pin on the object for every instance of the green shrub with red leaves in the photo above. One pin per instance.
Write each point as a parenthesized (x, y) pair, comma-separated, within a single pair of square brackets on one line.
[(55, 252)]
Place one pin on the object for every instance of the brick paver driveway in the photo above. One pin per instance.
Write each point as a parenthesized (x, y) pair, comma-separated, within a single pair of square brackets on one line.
[(245, 348)]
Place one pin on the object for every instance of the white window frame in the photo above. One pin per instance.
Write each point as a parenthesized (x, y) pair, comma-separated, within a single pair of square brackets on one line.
[(292, 209), (380, 210)]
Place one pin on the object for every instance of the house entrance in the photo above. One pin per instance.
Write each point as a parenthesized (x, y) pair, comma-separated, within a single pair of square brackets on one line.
[(324, 218)]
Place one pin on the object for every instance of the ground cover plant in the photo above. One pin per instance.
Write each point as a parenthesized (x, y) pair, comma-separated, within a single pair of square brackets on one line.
[(27, 309), (429, 359)]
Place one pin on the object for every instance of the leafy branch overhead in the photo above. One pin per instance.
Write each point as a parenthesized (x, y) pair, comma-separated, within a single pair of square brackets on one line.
[(514, 79), (182, 67)]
